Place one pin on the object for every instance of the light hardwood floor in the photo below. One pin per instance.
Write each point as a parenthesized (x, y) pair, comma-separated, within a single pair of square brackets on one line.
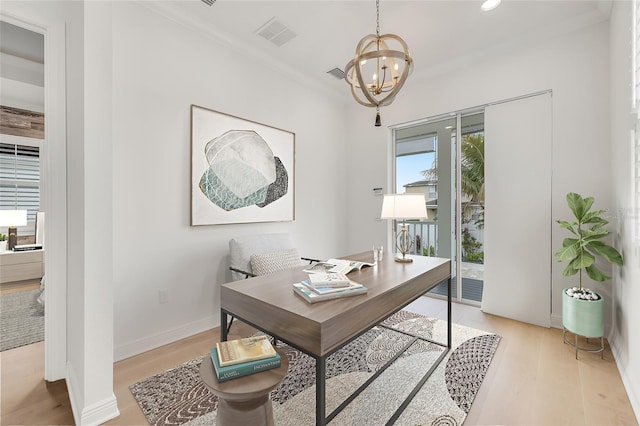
[(12, 287), (534, 379)]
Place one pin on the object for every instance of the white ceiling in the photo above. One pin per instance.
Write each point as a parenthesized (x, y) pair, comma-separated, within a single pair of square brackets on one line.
[(21, 68), (20, 42), (440, 34)]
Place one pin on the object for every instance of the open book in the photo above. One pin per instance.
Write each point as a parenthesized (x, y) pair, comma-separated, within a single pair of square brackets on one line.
[(320, 268), (342, 266), (345, 266)]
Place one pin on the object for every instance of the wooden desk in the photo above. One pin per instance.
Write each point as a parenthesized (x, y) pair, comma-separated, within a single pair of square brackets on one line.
[(268, 303)]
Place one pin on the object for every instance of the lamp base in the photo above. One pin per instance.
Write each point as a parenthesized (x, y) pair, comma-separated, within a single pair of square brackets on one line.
[(13, 238), (403, 259)]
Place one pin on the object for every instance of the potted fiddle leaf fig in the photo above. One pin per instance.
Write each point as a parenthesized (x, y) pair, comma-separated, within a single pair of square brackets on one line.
[(3, 242), (582, 308)]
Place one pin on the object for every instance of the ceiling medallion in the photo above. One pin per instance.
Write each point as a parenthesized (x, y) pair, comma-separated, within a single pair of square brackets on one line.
[(379, 68)]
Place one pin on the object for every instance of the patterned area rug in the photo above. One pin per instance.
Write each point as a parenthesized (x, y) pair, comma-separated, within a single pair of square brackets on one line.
[(21, 319), (178, 396)]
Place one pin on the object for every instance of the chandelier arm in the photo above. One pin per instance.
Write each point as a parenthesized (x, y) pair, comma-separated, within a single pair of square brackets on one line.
[(396, 88), (356, 96), (363, 88), (354, 86)]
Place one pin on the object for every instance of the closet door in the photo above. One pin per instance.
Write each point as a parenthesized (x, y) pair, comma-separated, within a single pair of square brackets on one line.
[(518, 221)]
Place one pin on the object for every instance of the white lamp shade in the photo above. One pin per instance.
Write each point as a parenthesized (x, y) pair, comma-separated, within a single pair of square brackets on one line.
[(404, 206), (13, 218)]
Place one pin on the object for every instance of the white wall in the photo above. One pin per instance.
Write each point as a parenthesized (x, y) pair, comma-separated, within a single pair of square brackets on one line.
[(160, 68), (624, 338), (574, 66)]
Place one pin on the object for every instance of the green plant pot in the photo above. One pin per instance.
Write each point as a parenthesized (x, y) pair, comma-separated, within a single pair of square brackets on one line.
[(583, 317)]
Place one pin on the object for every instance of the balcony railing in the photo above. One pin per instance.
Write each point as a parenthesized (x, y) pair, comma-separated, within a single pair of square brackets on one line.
[(425, 243)]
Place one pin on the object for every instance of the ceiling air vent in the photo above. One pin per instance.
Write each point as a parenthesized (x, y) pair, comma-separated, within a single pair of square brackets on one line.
[(209, 2), (276, 32), (337, 73)]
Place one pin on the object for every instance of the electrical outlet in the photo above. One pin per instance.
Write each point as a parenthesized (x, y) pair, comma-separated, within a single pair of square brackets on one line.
[(163, 296)]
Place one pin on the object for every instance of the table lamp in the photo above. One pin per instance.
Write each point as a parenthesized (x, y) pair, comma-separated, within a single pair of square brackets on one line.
[(12, 219), (404, 206)]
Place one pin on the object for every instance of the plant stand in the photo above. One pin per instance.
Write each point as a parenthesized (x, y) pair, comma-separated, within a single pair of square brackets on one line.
[(583, 349), (583, 318)]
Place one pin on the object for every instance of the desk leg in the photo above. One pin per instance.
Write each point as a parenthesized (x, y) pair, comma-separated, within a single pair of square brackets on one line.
[(449, 313), (223, 325), (320, 391)]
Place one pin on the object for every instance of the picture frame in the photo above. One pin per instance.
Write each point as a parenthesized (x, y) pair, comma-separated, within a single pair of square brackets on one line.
[(242, 171)]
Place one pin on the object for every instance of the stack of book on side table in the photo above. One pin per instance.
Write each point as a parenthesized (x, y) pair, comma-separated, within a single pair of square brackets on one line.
[(241, 357), (326, 286)]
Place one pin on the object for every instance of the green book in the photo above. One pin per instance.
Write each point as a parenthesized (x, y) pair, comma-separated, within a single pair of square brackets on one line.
[(236, 371)]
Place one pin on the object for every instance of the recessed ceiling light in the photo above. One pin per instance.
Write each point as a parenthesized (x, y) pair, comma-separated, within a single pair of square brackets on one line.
[(490, 5)]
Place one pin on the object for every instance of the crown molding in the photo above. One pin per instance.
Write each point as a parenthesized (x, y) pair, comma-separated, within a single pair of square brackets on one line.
[(533, 38), (172, 11)]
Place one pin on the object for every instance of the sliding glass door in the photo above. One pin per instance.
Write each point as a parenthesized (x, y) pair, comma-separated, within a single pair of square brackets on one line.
[(430, 160)]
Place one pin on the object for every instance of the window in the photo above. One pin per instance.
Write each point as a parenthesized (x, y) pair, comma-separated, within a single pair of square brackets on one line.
[(20, 179)]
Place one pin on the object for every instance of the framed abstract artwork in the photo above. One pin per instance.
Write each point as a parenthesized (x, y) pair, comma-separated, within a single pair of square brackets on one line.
[(241, 171)]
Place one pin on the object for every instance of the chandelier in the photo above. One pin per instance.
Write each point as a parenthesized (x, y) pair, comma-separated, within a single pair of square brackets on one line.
[(379, 68)]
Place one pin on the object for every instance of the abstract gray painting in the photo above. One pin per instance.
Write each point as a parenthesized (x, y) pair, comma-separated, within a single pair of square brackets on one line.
[(241, 171)]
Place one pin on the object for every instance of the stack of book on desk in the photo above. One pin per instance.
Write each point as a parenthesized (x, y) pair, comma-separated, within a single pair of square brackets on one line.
[(327, 286), (241, 357)]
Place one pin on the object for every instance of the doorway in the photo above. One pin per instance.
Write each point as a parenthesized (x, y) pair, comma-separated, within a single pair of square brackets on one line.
[(21, 141), (431, 159), (52, 184)]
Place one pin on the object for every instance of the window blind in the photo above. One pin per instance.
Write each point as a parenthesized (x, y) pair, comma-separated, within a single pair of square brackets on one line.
[(20, 179)]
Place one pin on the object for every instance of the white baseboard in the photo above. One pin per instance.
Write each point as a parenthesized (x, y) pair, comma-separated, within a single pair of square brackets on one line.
[(100, 412), (556, 321), (72, 389), (96, 413), (632, 393), (160, 339)]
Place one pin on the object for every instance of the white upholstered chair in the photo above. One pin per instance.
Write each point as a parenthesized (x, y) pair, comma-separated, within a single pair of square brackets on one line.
[(260, 254)]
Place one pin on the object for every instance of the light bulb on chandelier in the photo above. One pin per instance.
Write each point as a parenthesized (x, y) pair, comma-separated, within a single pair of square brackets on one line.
[(387, 60)]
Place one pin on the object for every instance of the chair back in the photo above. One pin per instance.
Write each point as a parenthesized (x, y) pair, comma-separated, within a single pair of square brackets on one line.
[(241, 249)]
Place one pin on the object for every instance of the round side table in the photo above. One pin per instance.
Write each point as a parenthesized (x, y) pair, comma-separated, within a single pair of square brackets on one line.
[(247, 400)]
